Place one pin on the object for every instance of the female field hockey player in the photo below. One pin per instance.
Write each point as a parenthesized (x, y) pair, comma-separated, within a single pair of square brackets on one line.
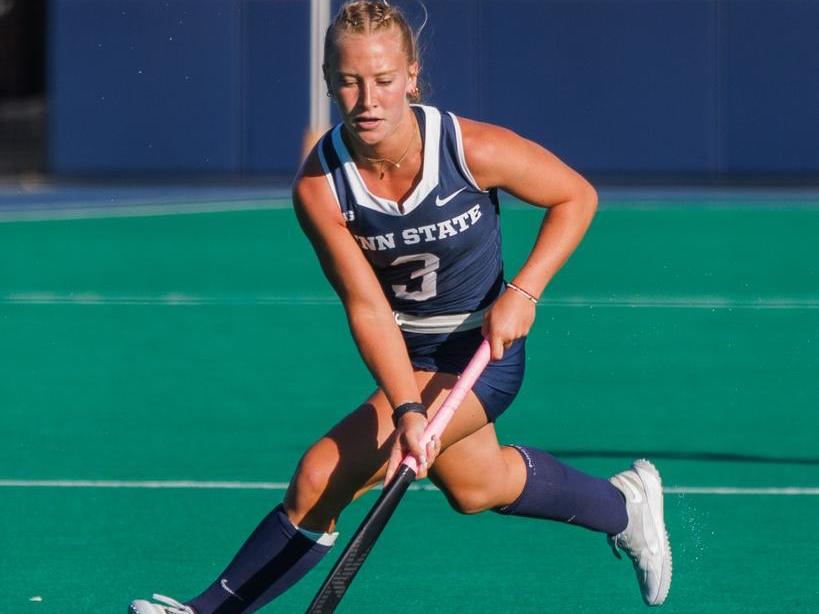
[(400, 203)]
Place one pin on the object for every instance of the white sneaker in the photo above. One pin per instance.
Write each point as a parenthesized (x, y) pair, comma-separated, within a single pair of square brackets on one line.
[(169, 606), (645, 539)]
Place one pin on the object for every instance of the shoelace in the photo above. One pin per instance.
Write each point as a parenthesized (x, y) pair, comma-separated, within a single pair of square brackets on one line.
[(614, 542), (172, 605)]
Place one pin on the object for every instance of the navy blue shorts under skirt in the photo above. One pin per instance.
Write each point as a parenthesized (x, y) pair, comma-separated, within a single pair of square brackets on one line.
[(497, 386)]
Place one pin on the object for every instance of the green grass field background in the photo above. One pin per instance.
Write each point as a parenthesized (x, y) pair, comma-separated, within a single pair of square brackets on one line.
[(208, 347)]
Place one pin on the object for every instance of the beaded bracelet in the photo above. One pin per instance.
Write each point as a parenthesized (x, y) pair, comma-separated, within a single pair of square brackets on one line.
[(406, 408), (522, 291)]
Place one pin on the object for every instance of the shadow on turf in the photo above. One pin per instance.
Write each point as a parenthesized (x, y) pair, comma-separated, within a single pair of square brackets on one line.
[(720, 457)]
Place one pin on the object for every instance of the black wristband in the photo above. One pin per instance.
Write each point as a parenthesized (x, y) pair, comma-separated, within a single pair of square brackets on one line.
[(406, 408)]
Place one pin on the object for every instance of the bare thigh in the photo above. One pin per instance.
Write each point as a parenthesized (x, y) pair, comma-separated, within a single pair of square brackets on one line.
[(352, 457), (474, 471)]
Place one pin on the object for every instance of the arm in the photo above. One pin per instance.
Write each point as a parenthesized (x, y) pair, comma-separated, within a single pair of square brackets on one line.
[(369, 314), (500, 158)]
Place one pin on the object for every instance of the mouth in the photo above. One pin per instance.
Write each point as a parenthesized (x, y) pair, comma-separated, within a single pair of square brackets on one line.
[(366, 122)]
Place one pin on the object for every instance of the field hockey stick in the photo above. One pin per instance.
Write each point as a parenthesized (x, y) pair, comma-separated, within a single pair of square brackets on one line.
[(351, 560)]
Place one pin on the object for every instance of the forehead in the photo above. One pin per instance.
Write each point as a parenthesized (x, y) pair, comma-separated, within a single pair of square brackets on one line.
[(375, 52)]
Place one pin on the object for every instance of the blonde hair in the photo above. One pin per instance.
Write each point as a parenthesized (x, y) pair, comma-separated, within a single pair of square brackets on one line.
[(368, 17)]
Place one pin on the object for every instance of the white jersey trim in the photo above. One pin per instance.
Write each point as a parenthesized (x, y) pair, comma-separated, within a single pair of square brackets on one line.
[(461, 157), (450, 323), (327, 174), (429, 177)]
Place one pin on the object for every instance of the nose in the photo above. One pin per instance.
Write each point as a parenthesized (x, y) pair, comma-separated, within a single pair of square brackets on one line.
[(366, 96)]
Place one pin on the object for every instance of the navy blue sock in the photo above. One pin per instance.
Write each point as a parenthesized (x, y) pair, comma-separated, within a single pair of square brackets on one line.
[(274, 557), (557, 492)]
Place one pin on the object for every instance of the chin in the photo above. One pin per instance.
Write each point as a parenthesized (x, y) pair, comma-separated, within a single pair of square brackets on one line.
[(368, 137)]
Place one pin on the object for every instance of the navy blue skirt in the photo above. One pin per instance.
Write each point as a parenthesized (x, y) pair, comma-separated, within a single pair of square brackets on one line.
[(497, 386)]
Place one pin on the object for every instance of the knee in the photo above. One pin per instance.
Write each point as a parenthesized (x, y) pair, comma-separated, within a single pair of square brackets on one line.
[(310, 481), (470, 501)]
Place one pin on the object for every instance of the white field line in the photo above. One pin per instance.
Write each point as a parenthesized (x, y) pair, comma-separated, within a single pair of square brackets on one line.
[(171, 299), (150, 484), (161, 484), (205, 485), (731, 490), (625, 302), (140, 209)]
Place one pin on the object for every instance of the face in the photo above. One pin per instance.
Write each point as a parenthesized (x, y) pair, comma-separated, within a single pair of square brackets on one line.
[(370, 80)]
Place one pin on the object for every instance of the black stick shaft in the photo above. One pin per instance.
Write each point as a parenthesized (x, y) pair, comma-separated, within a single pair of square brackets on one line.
[(354, 555)]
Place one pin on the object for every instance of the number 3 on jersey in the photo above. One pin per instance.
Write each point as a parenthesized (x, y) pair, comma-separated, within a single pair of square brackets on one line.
[(427, 273)]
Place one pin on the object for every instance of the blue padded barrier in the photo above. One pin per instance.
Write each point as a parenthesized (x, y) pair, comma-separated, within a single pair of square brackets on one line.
[(144, 86), (769, 66), (276, 91), (702, 89), (610, 86)]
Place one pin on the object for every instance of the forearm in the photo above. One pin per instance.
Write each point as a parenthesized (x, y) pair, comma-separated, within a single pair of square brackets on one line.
[(561, 232), (383, 350)]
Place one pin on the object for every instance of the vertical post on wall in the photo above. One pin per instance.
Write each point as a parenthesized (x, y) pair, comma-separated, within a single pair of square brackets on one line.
[(319, 102)]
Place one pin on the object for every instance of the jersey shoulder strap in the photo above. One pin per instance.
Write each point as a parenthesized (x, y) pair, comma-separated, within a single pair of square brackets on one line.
[(334, 173)]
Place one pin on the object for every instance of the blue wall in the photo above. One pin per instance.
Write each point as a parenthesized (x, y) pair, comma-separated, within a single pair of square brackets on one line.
[(769, 104), (607, 85), (142, 86), (703, 89)]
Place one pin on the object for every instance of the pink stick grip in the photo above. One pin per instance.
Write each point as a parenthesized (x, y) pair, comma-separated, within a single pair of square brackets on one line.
[(453, 400)]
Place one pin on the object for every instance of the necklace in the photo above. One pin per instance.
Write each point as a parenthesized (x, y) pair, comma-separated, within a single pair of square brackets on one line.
[(395, 163)]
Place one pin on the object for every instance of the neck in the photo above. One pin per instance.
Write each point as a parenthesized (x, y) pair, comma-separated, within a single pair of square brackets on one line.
[(394, 150)]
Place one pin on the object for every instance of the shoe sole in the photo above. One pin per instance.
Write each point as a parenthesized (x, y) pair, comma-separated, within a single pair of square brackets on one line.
[(653, 485), (144, 607)]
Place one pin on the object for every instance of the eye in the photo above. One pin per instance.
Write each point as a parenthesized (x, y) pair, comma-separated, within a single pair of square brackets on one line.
[(384, 81)]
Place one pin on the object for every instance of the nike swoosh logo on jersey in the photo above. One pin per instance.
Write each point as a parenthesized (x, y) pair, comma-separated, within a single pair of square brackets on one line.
[(440, 202)]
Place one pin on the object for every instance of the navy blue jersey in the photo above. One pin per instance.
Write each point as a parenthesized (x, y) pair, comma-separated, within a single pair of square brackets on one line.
[(442, 254)]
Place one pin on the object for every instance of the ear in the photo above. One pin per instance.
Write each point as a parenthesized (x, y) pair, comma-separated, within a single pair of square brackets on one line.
[(412, 81)]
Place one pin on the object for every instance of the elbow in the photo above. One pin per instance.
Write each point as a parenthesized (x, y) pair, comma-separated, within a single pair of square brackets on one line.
[(364, 315), (589, 200), (581, 202)]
